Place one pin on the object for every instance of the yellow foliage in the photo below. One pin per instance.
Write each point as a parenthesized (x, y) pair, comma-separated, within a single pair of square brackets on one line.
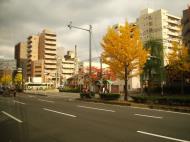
[(18, 79), (179, 58), (6, 79), (123, 47)]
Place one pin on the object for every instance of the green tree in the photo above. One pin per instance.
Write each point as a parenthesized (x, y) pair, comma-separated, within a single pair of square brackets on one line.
[(154, 67), (18, 80), (123, 51), (179, 62), (6, 79)]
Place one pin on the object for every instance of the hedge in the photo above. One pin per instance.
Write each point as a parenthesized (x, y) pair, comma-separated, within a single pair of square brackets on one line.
[(109, 96), (165, 100), (88, 95), (68, 89)]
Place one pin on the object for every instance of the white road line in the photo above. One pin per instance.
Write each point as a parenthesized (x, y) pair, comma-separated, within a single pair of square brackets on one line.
[(161, 110), (149, 116), (19, 102), (96, 108), (160, 136), (46, 101), (60, 112), (9, 115)]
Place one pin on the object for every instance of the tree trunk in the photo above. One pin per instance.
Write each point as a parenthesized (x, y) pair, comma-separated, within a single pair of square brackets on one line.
[(126, 80)]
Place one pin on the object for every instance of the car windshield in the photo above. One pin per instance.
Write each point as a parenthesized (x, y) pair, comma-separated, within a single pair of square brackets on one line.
[(94, 70)]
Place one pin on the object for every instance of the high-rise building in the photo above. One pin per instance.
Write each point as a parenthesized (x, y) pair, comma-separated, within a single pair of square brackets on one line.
[(20, 53), (32, 53), (160, 25), (21, 57), (48, 52), (186, 27), (69, 65)]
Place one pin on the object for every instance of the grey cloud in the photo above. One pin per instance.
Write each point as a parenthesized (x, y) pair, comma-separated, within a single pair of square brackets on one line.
[(21, 18)]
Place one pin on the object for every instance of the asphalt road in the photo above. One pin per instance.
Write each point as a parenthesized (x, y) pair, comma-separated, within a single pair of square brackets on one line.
[(49, 119)]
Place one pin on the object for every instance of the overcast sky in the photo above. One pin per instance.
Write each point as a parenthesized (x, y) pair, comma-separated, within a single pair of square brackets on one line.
[(21, 18)]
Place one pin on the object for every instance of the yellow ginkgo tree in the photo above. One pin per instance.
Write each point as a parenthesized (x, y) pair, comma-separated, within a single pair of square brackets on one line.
[(123, 51), (178, 62)]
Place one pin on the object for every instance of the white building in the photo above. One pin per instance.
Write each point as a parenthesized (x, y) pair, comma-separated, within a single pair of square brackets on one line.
[(159, 24), (69, 65)]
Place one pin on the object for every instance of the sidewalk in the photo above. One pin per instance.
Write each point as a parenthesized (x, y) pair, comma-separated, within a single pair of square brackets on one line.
[(76, 96)]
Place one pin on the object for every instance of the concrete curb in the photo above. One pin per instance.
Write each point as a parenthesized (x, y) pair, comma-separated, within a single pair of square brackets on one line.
[(149, 106), (38, 94)]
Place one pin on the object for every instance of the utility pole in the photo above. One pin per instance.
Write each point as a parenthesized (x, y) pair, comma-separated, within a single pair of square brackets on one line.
[(90, 46)]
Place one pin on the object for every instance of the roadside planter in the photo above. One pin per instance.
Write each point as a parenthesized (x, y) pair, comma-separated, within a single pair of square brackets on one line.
[(109, 96), (71, 90)]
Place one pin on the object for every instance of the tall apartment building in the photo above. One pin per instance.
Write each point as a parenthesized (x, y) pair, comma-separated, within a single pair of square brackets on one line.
[(69, 65), (21, 57), (32, 53), (186, 27), (47, 52), (159, 24)]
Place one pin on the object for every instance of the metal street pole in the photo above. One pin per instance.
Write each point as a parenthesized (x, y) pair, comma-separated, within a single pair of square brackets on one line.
[(90, 45)]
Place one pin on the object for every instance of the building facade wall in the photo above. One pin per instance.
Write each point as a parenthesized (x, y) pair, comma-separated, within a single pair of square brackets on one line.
[(32, 52), (48, 52), (160, 25), (186, 27), (21, 57)]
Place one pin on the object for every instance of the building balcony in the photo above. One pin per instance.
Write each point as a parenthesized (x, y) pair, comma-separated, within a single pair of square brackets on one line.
[(50, 66), (52, 52), (67, 71), (50, 57), (176, 22), (50, 42), (50, 47), (50, 37), (68, 66), (173, 34), (174, 28), (50, 62), (50, 34)]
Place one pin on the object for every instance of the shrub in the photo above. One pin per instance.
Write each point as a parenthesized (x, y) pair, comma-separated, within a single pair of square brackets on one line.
[(165, 100), (109, 96), (68, 89), (87, 95)]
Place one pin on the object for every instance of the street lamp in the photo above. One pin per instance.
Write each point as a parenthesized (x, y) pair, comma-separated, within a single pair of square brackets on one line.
[(90, 42)]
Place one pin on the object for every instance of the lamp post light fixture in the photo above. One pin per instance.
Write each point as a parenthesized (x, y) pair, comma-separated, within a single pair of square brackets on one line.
[(90, 43)]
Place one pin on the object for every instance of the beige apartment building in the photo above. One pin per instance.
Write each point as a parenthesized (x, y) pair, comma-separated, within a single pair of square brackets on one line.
[(47, 52), (32, 53), (160, 24)]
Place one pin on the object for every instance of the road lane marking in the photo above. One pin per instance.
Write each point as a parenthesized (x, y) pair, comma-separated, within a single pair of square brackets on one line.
[(46, 101), (160, 110), (9, 115), (160, 136), (96, 108), (19, 102), (149, 116), (59, 112)]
